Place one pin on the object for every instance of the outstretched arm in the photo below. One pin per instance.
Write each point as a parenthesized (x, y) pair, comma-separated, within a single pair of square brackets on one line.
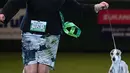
[(94, 7), (10, 9), (75, 6), (84, 7)]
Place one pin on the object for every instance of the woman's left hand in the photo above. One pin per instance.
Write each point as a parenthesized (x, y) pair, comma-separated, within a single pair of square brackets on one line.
[(101, 6)]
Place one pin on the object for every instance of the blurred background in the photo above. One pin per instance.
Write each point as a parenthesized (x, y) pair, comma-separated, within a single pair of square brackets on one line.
[(87, 54)]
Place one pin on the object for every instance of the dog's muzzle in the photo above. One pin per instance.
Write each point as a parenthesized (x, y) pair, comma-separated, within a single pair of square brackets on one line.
[(113, 58)]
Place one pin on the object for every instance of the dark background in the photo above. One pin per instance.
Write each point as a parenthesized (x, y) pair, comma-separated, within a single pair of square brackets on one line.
[(91, 39)]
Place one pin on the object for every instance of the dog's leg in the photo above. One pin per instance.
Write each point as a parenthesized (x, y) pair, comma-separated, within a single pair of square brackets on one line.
[(127, 70), (124, 67), (111, 70), (23, 71)]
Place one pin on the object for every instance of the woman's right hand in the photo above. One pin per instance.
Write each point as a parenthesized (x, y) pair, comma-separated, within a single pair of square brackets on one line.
[(2, 17)]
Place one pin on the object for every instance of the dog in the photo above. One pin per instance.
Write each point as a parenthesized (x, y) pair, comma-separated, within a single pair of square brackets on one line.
[(118, 65)]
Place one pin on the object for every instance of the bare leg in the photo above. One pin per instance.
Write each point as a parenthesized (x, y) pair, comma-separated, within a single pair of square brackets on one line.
[(30, 68), (42, 68)]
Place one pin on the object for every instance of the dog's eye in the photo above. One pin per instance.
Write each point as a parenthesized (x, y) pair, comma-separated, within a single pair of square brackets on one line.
[(111, 53), (117, 53)]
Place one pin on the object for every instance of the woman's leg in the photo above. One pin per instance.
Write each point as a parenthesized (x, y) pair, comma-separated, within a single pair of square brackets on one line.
[(47, 55), (30, 45), (31, 68), (42, 68)]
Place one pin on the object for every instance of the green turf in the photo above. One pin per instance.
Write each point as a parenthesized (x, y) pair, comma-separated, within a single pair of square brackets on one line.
[(65, 63)]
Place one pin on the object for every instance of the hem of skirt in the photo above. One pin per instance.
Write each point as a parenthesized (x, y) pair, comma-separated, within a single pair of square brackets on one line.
[(50, 67)]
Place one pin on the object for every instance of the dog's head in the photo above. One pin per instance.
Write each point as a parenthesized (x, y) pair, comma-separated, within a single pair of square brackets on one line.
[(115, 55)]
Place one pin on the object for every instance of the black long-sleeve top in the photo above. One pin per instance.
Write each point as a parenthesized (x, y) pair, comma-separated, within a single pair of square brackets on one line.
[(44, 10)]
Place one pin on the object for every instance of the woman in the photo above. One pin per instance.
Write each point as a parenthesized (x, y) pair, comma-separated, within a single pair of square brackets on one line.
[(41, 28)]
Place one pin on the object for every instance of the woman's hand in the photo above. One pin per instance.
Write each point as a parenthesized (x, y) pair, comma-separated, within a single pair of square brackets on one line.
[(101, 6), (2, 17)]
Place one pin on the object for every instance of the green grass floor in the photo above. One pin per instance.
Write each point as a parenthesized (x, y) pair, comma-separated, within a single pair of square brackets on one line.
[(65, 63)]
